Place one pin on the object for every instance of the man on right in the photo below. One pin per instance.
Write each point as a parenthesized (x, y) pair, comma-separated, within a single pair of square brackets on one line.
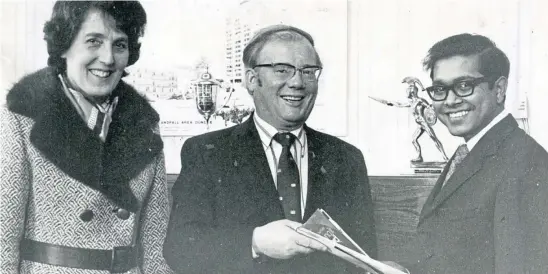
[(488, 212)]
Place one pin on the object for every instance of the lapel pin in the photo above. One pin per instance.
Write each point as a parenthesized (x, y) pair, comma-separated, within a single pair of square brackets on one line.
[(322, 169), (235, 163), (210, 146)]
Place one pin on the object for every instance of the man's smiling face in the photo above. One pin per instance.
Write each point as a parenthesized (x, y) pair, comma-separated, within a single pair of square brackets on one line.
[(285, 103), (466, 116)]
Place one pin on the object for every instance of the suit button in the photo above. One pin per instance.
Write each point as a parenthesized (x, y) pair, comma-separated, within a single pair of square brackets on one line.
[(86, 215), (122, 213)]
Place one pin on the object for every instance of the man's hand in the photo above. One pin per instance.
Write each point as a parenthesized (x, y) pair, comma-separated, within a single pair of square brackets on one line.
[(280, 240)]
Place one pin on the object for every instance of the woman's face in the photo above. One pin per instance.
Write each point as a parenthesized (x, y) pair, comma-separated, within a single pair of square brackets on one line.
[(98, 56)]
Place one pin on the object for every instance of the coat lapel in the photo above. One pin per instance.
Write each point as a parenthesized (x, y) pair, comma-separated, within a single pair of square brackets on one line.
[(133, 142), (65, 140), (484, 149)]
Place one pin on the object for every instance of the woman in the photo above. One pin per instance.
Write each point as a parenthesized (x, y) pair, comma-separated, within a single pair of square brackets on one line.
[(82, 176)]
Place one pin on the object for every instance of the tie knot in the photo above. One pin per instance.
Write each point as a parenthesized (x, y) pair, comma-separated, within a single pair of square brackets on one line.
[(285, 139), (461, 152)]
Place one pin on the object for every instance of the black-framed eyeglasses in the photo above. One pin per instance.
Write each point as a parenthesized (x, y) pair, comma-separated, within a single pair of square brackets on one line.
[(462, 88), (285, 71)]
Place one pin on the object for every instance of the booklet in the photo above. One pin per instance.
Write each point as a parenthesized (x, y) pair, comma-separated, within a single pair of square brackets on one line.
[(322, 228)]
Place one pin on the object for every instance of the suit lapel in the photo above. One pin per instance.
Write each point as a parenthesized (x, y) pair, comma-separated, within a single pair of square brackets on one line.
[(484, 149), (317, 178), (469, 166), (429, 204), (251, 155)]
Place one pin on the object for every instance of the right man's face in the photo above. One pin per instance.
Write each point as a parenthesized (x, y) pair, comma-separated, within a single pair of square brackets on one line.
[(465, 116)]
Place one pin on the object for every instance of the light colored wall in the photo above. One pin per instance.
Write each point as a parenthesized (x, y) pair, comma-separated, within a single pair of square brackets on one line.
[(393, 38), (386, 41), (22, 48), (536, 70)]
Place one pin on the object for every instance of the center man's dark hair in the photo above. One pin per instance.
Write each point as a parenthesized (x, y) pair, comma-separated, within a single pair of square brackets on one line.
[(275, 32)]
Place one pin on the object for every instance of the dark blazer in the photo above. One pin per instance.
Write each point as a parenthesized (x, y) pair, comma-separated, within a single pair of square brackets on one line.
[(225, 190), (492, 214)]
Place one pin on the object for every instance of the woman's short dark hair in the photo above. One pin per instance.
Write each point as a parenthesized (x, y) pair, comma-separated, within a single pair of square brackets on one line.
[(67, 18)]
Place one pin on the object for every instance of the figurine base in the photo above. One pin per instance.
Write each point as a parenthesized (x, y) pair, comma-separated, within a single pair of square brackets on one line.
[(427, 171), (428, 167)]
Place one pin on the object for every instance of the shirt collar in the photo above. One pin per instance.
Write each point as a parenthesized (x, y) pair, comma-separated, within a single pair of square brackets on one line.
[(102, 107), (474, 140), (267, 131)]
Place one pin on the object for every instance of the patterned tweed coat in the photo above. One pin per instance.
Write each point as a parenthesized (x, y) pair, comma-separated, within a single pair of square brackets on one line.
[(61, 185)]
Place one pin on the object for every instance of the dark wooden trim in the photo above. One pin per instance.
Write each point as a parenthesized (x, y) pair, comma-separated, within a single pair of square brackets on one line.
[(397, 202)]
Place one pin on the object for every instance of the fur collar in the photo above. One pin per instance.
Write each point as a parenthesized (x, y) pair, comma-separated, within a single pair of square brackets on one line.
[(64, 139)]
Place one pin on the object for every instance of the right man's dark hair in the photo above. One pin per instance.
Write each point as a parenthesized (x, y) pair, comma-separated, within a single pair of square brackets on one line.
[(493, 63)]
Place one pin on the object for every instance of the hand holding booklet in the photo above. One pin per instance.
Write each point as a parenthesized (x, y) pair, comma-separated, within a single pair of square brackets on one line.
[(322, 228)]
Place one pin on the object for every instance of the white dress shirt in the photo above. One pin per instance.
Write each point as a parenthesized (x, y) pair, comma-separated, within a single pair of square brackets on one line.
[(273, 150)]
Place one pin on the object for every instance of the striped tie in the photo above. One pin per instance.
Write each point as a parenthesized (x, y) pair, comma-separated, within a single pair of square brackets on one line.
[(288, 178)]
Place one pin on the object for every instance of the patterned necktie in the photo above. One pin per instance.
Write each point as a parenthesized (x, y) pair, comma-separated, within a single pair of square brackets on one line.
[(96, 119), (100, 117), (288, 178), (460, 154)]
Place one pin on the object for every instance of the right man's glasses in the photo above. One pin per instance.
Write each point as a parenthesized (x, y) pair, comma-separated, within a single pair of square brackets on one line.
[(461, 88)]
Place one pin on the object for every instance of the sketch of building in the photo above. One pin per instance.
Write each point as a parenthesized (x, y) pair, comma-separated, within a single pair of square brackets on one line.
[(241, 25), (160, 83)]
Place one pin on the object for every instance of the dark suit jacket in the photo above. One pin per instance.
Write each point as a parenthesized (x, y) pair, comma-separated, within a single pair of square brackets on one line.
[(492, 214), (225, 190)]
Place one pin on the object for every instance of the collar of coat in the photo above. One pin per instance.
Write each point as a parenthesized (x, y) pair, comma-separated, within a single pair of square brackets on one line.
[(64, 138)]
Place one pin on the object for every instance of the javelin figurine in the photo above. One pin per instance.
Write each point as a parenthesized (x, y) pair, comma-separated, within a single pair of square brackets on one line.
[(424, 115)]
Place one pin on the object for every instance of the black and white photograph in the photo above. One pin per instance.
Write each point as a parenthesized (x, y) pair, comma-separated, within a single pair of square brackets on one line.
[(273, 136)]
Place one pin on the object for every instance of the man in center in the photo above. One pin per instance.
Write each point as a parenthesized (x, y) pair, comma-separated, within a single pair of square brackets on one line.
[(243, 191)]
